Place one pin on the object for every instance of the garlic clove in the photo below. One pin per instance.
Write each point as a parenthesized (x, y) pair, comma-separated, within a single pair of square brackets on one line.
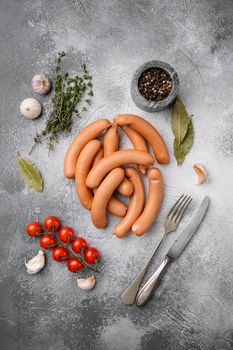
[(86, 283), (201, 173), (41, 84), (30, 108), (36, 264)]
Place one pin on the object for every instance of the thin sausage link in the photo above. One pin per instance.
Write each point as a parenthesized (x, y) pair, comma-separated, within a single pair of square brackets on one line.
[(138, 142), (111, 140), (135, 206), (83, 167), (115, 206), (153, 203), (119, 158), (90, 132), (148, 131), (99, 155), (111, 144), (102, 196)]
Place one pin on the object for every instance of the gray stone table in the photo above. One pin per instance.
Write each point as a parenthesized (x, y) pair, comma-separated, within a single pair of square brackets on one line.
[(192, 308)]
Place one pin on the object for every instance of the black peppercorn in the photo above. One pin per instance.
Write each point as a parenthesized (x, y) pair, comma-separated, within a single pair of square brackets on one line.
[(155, 84)]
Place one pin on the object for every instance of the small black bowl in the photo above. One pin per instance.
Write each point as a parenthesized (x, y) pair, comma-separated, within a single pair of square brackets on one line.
[(148, 105)]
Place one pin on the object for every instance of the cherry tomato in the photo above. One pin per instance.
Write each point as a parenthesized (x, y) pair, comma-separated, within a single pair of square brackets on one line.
[(52, 223), (60, 253), (74, 265), (66, 234), (78, 244), (47, 241), (34, 229), (91, 255)]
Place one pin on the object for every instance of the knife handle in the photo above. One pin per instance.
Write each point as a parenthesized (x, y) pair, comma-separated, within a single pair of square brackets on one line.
[(129, 295), (146, 292)]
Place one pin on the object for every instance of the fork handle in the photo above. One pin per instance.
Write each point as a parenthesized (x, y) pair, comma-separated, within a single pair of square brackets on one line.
[(147, 290), (129, 295)]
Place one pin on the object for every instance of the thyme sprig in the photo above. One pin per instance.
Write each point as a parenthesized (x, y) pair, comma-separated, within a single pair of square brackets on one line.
[(68, 93)]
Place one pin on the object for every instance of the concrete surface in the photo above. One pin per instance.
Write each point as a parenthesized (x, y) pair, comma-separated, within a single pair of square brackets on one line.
[(192, 308)]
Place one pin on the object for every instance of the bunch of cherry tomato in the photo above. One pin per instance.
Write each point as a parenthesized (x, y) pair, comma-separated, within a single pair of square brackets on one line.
[(49, 240)]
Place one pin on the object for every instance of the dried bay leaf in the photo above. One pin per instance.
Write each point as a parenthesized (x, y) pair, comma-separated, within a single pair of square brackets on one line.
[(181, 150), (30, 174), (179, 120)]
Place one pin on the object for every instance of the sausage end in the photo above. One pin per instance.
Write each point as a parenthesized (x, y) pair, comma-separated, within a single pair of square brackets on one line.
[(137, 231)]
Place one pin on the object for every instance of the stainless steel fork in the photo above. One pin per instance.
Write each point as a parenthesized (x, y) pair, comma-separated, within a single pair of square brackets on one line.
[(171, 223)]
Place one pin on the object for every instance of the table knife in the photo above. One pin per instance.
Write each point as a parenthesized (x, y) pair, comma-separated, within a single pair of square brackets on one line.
[(146, 292)]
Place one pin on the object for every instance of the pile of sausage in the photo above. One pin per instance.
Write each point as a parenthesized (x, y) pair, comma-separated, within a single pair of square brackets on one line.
[(98, 172)]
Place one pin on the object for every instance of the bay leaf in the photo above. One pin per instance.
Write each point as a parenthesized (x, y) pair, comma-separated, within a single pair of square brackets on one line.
[(179, 120), (30, 174), (181, 150)]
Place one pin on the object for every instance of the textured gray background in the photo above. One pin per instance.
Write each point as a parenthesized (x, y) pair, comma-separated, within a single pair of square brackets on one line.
[(193, 307)]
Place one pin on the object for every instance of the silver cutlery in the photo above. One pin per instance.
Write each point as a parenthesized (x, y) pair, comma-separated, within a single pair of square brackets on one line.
[(171, 223), (173, 253)]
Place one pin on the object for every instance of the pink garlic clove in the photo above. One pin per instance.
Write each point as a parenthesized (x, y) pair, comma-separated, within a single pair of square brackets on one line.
[(201, 173)]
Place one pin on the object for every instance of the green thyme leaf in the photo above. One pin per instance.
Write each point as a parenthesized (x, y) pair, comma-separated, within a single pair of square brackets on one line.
[(30, 174), (68, 93), (181, 150), (179, 120)]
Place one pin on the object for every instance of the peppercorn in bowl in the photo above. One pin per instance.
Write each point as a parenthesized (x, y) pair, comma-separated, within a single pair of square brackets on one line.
[(154, 86)]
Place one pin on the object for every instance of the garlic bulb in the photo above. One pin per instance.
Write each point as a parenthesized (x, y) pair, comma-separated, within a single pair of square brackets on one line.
[(41, 84), (86, 283), (30, 108), (36, 264), (201, 173)]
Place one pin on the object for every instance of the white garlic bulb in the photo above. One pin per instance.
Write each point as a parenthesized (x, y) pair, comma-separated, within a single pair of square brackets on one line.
[(30, 108), (41, 84), (86, 283), (36, 264)]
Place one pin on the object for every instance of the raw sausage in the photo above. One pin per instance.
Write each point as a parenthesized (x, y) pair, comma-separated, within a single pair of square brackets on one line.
[(115, 206), (111, 143), (153, 203), (99, 155), (138, 142), (89, 133), (116, 159), (125, 188), (135, 206), (103, 195), (82, 169), (111, 140), (148, 132)]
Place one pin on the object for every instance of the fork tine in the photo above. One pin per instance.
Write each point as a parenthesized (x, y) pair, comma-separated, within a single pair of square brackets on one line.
[(176, 206), (181, 211), (173, 207)]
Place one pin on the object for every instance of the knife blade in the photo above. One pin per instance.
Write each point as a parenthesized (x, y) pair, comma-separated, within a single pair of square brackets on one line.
[(146, 292), (182, 240)]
